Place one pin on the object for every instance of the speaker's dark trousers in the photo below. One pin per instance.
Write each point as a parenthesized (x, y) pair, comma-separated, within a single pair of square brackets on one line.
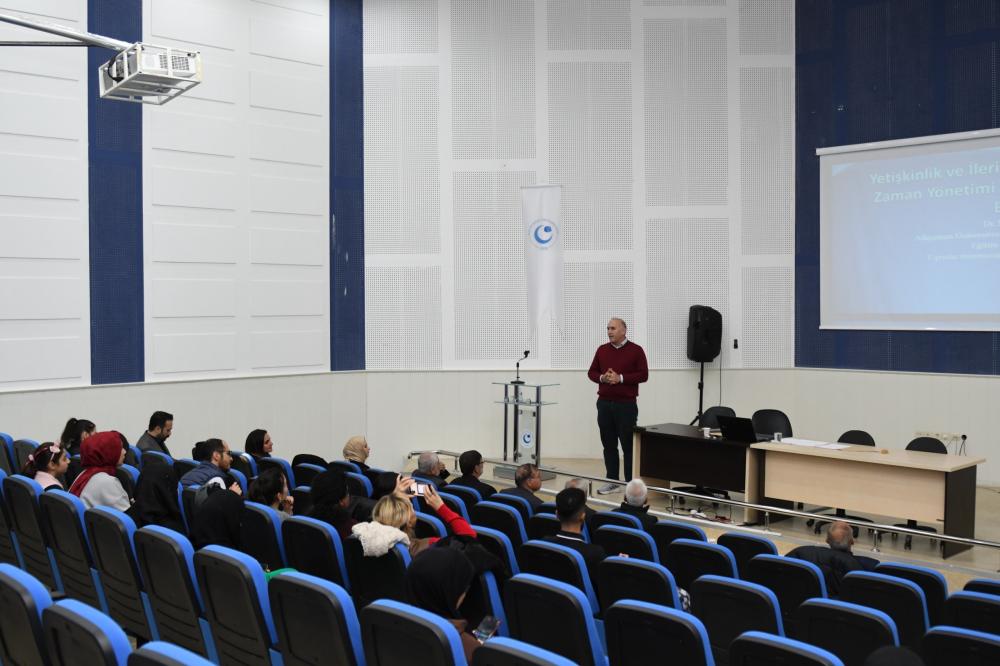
[(616, 421)]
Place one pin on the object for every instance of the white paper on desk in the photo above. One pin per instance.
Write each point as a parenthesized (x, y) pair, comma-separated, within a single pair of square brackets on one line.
[(835, 447), (795, 441)]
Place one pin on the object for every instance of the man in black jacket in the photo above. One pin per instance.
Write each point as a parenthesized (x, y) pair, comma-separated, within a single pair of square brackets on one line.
[(569, 509), (471, 464), (836, 561), (529, 481), (430, 470), (635, 503)]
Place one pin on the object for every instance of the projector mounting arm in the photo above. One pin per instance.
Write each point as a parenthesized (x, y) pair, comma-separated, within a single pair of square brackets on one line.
[(82, 38)]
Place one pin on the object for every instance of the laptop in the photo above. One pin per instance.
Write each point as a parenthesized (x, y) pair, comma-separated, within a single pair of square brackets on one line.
[(740, 430)]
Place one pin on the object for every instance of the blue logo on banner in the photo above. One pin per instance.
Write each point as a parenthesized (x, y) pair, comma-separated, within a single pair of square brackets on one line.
[(543, 233), (527, 439)]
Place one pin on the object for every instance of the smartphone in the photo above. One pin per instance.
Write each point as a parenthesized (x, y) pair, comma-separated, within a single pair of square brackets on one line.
[(486, 628), (420, 489)]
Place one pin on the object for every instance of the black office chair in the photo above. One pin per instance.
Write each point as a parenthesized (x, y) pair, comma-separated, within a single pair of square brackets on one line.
[(859, 438), (927, 445), (769, 421)]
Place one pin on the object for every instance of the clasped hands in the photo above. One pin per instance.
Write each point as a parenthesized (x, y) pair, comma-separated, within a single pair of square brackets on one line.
[(611, 377)]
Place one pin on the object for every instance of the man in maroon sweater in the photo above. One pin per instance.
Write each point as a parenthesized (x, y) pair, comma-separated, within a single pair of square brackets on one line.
[(618, 368)]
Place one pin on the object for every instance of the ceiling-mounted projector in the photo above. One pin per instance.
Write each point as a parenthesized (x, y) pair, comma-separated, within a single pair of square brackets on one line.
[(149, 74)]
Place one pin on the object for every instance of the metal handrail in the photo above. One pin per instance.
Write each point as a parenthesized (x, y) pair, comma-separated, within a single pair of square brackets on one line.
[(763, 508)]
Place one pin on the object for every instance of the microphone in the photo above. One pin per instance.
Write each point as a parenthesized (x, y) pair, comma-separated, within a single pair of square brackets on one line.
[(518, 367)]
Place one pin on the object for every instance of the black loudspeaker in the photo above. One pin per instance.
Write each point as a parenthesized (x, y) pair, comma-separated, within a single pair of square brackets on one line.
[(704, 333)]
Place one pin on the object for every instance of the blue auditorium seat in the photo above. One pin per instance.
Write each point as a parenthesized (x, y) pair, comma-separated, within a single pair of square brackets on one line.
[(314, 547), (501, 651), (155, 458), (22, 449), (185, 502), (184, 465), (638, 629), (306, 472), (522, 505), (159, 653), (429, 526), (665, 532), (77, 634), (375, 577), (543, 525), (554, 616), (21, 494), (260, 535), (499, 544), (688, 559), (624, 578), (240, 479), (280, 463), (745, 547), (850, 631), (23, 599), (973, 610), (358, 485), (728, 607), (166, 563), (561, 563), (545, 507), (602, 518), (946, 646), (344, 466), (482, 599), (7, 454), (315, 621), (63, 512), (628, 541), (111, 535), (500, 517), (792, 581), (237, 606), (394, 632), (133, 457), (756, 647), (987, 585), (455, 503), (10, 553), (468, 495), (900, 599), (931, 581), (245, 463)]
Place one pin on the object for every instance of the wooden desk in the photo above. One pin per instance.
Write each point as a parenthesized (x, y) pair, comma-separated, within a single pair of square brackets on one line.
[(934, 489)]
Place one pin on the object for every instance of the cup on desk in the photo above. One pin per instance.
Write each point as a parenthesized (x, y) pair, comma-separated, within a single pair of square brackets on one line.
[(706, 433), (777, 436)]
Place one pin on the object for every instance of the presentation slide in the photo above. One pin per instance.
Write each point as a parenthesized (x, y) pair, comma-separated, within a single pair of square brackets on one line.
[(910, 237)]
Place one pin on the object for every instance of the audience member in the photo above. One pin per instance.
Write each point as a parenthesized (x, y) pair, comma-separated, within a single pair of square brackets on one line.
[(528, 481), (430, 469), (582, 485), (332, 502), (356, 450), (270, 488), (259, 444), (74, 433), (384, 484), (101, 454), (214, 460), (46, 464), (471, 464), (569, 511), (161, 424), (156, 498), (393, 520), (635, 503), (836, 561), (437, 581), (219, 514)]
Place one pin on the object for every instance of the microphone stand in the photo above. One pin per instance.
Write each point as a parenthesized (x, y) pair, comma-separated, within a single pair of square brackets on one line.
[(517, 369)]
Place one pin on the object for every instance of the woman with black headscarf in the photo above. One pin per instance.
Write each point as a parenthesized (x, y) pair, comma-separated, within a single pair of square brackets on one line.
[(437, 581)]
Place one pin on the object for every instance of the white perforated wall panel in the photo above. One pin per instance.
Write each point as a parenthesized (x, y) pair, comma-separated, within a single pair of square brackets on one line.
[(668, 124)]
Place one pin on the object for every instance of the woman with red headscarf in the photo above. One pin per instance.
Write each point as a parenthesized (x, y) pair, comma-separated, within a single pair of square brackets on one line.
[(97, 485)]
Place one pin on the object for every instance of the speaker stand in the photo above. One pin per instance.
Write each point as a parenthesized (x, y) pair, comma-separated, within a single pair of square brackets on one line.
[(701, 395)]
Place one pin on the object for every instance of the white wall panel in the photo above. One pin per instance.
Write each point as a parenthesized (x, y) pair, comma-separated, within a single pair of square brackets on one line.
[(301, 43), (42, 359), (400, 26), (227, 85), (40, 177), (292, 248), (193, 298), (67, 10), (194, 133), (199, 23), (37, 115), (286, 144), (34, 237), (289, 349), (288, 195), (201, 352), (589, 24), (271, 298), (40, 298), (190, 243), (190, 188), (287, 93)]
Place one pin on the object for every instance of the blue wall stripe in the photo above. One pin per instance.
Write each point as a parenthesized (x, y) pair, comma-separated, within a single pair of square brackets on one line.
[(873, 70), (347, 188), (115, 177)]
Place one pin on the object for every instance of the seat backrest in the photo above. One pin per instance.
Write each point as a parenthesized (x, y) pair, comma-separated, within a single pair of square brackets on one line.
[(554, 616), (75, 633), (306, 472), (260, 535), (160, 653), (933, 584), (900, 599), (184, 465), (22, 449), (558, 562), (728, 607), (7, 454), (857, 437), (522, 505), (792, 581), (973, 610), (280, 463), (429, 526), (314, 547), (23, 599), (344, 466), (240, 479), (482, 599), (666, 531), (128, 476), (8, 540), (185, 500), (358, 485), (628, 541), (850, 631), (637, 629), (393, 632), (156, 458), (745, 547), (315, 621), (166, 562), (500, 651), (688, 559), (455, 503), (468, 495), (376, 577), (710, 417), (602, 518), (245, 463), (500, 517), (757, 647), (63, 513), (309, 459), (111, 533), (237, 608), (543, 525), (625, 578), (21, 494), (499, 544), (133, 456), (944, 646), (927, 444), (987, 585), (546, 507), (770, 421)]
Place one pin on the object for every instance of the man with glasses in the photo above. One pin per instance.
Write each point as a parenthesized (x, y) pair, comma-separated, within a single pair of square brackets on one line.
[(216, 461)]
